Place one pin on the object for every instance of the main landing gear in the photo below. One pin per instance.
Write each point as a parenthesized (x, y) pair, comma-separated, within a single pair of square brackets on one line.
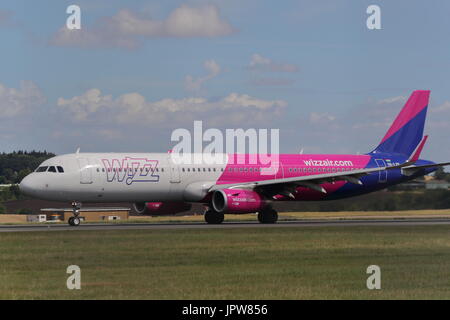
[(213, 217), (75, 220), (267, 215)]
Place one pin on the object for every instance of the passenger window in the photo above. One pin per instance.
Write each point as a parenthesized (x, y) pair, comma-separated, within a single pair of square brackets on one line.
[(52, 169), (60, 169)]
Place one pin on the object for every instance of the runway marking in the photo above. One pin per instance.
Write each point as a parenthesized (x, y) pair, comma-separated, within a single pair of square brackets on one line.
[(228, 225)]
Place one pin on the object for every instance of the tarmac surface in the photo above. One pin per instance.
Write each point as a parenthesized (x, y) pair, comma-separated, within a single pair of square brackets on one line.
[(226, 225)]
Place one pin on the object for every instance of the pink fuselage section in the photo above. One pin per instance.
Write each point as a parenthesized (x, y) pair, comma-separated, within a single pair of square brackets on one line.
[(248, 168)]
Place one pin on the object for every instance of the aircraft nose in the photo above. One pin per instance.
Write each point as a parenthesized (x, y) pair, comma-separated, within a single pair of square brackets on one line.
[(28, 185)]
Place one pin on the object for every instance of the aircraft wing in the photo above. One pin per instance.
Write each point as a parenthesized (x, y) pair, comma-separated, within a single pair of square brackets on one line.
[(286, 186)]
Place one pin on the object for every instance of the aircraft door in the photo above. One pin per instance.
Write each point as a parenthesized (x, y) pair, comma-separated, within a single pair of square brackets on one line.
[(174, 171), (85, 171), (174, 174), (382, 175)]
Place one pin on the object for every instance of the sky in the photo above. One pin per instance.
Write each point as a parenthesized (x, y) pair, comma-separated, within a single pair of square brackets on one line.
[(137, 70)]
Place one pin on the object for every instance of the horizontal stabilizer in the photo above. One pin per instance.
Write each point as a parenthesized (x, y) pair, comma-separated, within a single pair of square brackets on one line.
[(410, 170)]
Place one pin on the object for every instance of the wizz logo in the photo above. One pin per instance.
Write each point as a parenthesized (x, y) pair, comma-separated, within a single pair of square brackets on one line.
[(131, 170)]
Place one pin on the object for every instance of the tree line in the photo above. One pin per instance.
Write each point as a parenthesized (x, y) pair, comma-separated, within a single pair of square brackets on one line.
[(16, 165)]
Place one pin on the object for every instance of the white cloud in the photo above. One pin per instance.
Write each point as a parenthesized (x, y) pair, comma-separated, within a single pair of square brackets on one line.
[(445, 107), (272, 82), (261, 63), (392, 100), (213, 69), (242, 109), (321, 118), (126, 28), (14, 102)]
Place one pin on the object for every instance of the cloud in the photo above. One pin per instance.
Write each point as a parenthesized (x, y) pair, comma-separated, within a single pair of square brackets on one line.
[(260, 63), (213, 69), (359, 129), (321, 118), (15, 102), (445, 107), (392, 100), (133, 108), (272, 82), (126, 28)]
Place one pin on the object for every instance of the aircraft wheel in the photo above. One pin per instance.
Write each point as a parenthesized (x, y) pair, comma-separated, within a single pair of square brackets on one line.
[(268, 216), (212, 217), (74, 221)]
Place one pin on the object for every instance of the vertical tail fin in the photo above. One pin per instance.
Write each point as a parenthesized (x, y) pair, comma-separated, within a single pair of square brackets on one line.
[(406, 131)]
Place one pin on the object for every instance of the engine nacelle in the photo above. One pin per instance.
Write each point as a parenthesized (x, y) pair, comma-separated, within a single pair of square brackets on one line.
[(237, 201), (161, 208)]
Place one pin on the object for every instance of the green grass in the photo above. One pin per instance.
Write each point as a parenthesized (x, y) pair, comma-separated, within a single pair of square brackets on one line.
[(256, 263)]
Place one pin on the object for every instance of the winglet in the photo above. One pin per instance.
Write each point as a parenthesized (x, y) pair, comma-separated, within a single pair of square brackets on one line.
[(415, 155)]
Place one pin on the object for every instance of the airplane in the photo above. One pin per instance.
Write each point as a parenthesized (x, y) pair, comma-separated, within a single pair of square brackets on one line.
[(157, 185)]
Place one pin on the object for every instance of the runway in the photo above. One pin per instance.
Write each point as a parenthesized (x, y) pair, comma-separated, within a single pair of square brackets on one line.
[(227, 225)]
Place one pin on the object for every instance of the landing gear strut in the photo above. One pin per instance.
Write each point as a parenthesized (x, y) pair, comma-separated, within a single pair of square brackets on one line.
[(268, 215), (213, 217), (75, 220)]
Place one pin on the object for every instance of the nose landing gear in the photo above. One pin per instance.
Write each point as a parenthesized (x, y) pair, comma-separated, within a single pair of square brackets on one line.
[(75, 220)]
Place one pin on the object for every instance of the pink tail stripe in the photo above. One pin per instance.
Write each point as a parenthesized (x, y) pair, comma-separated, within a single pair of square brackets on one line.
[(415, 104), (416, 154)]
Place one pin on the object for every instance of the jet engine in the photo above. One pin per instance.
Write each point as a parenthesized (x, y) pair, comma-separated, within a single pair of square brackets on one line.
[(237, 201)]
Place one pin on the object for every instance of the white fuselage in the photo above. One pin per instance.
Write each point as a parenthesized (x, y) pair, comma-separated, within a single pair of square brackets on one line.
[(117, 177)]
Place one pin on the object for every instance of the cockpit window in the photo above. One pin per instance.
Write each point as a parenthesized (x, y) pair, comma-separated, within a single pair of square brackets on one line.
[(52, 169), (41, 169), (60, 169)]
